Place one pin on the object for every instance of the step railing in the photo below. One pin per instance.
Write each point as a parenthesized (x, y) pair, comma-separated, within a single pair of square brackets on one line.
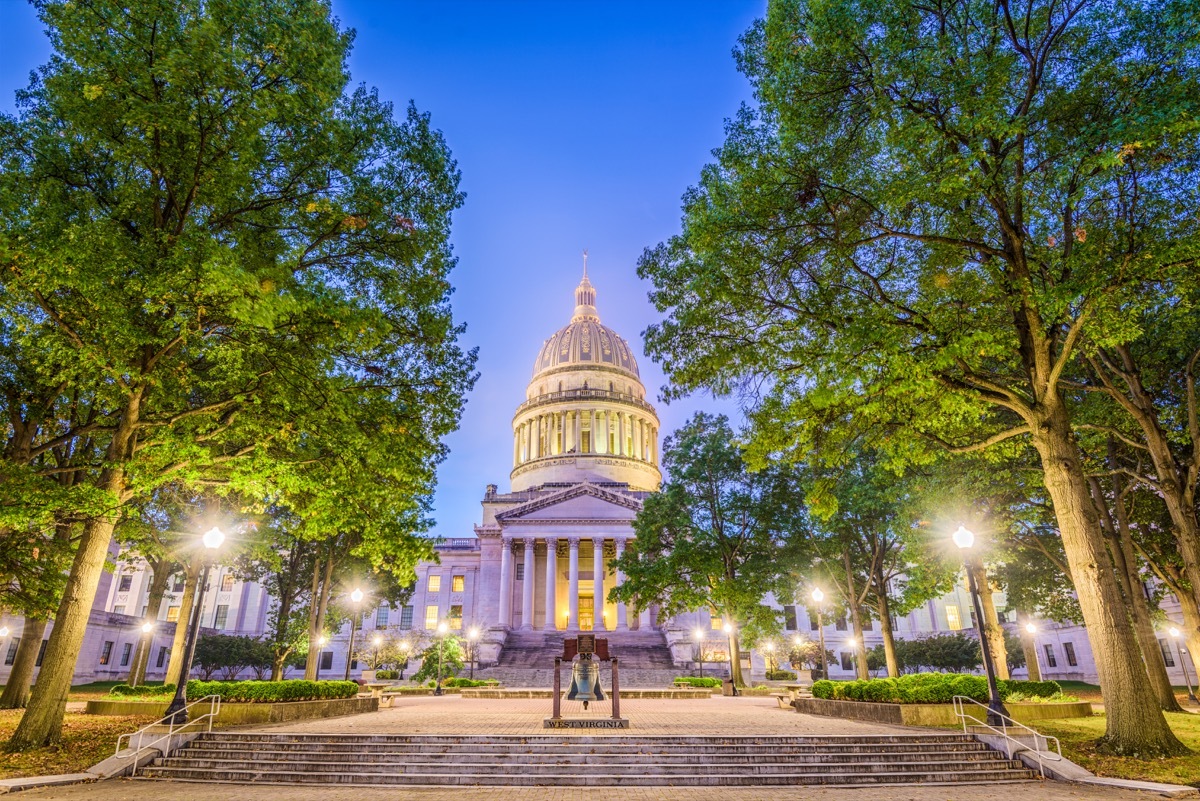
[(214, 708), (1012, 744)]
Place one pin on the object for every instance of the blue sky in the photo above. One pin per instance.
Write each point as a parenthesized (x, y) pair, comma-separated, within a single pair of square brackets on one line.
[(575, 125)]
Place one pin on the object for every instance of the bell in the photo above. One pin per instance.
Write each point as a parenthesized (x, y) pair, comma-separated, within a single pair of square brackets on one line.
[(585, 682)]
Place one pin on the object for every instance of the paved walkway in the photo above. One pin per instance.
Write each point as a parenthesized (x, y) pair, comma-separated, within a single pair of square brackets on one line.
[(453, 714)]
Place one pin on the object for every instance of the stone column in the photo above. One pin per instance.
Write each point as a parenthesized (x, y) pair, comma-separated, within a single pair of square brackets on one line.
[(568, 431), (517, 447), (598, 584), (573, 585), (622, 614), (551, 583), (621, 448), (639, 448), (505, 583), (527, 587), (599, 445)]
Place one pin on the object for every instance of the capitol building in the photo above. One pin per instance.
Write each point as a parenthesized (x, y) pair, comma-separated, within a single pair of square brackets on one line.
[(585, 453)]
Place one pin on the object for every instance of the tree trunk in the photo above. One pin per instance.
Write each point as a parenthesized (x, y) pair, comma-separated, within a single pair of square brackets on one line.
[(42, 722), (991, 622), (1029, 648), (884, 606), (860, 647), (318, 625), (16, 691), (179, 641), (314, 635), (1134, 724), (735, 661), (158, 588)]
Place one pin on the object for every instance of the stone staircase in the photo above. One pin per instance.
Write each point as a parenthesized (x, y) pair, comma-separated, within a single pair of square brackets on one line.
[(554, 760), (527, 659)]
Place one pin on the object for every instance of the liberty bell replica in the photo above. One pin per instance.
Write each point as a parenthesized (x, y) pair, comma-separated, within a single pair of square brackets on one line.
[(585, 681)]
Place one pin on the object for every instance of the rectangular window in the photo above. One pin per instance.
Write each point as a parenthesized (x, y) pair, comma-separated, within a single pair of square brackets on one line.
[(106, 654), (431, 617), (953, 621), (520, 571), (406, 617), (172, 614), (124, 583), (434, 584), (812, 623), (381, 617), (227, 582), (847, 660), (841, 624), (458, 584), (11, 656), (126, 649), (119, 610), (456, 617), (1050, 660), (717, 622), (144, 608), (1168, 655), (221, 617), (162, 655), (789, 618), (326, 660), (180, 580), (41, 653), (1069, 649)]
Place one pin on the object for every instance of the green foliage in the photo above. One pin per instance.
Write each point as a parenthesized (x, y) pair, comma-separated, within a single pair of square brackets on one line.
[(698, 681), (452, 659), (928, 688), (716, 535), (459, 681), (272, 691), (230, 654), (142, 690), (780, 675), (952, 652), (387, 675)]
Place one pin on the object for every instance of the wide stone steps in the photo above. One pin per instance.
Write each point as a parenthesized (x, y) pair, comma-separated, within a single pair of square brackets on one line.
[(585, 760)]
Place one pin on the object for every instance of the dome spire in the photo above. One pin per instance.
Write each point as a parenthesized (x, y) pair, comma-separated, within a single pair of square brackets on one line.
[(585, 297)]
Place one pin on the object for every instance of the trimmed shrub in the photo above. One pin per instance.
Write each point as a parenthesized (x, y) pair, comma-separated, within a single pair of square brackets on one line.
[(698, 681), (781, 675), (925, 688), (1031, 689), (824, 688), (142, 690), (262, 692), (455, 681), (387, 675)]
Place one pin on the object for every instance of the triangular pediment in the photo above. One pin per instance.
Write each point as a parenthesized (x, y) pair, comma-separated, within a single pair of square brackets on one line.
[(581, 502)]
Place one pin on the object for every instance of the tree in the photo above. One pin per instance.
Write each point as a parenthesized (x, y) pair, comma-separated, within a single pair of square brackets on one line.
[(911, 238), (449, 649), (239, 265), (716, 535)]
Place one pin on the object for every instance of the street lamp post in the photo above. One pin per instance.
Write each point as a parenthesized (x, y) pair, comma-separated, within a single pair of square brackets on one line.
[(770, 648), (404, 646), (320, 644), (1174, 632), (732, 683), (698, 634), (137, 674), (818, 597), (177, 711), (472, 636), (1037, 662), (441, 630), (356, 599), (376, 641), (964, 538)]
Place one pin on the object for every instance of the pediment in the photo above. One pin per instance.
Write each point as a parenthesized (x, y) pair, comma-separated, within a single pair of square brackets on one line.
[(580, 502)]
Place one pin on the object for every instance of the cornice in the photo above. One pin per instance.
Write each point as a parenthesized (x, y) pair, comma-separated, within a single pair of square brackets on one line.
[(584, 488)]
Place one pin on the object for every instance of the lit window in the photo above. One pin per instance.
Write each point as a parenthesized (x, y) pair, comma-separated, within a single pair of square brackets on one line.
[(458, 584), (106, 653), (435, 584), (221, 617), (716, 623), (172, 614), (1069, 649), (227, 582), (456, 617), (953, 621), (431, 617)]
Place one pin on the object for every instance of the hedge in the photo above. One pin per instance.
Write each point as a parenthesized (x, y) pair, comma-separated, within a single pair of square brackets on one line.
[(261, 692), (455, 681), (926, 688), (387, 675), (143, 689), (698, 681), (780, 675)]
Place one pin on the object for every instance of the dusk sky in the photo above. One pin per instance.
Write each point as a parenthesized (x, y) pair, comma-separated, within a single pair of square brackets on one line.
[(575, 126)]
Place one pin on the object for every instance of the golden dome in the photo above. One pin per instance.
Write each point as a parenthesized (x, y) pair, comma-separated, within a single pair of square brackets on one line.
[(585, 342)]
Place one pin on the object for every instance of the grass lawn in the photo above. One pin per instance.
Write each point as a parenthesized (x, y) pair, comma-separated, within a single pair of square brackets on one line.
[(1078, 736), (86, 740)]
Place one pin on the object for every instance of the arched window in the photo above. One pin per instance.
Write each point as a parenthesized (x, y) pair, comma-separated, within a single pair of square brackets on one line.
[(610, 387), (560, 386)]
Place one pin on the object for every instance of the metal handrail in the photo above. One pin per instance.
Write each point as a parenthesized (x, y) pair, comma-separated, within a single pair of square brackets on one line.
[(1009, 741), (214, 708)]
